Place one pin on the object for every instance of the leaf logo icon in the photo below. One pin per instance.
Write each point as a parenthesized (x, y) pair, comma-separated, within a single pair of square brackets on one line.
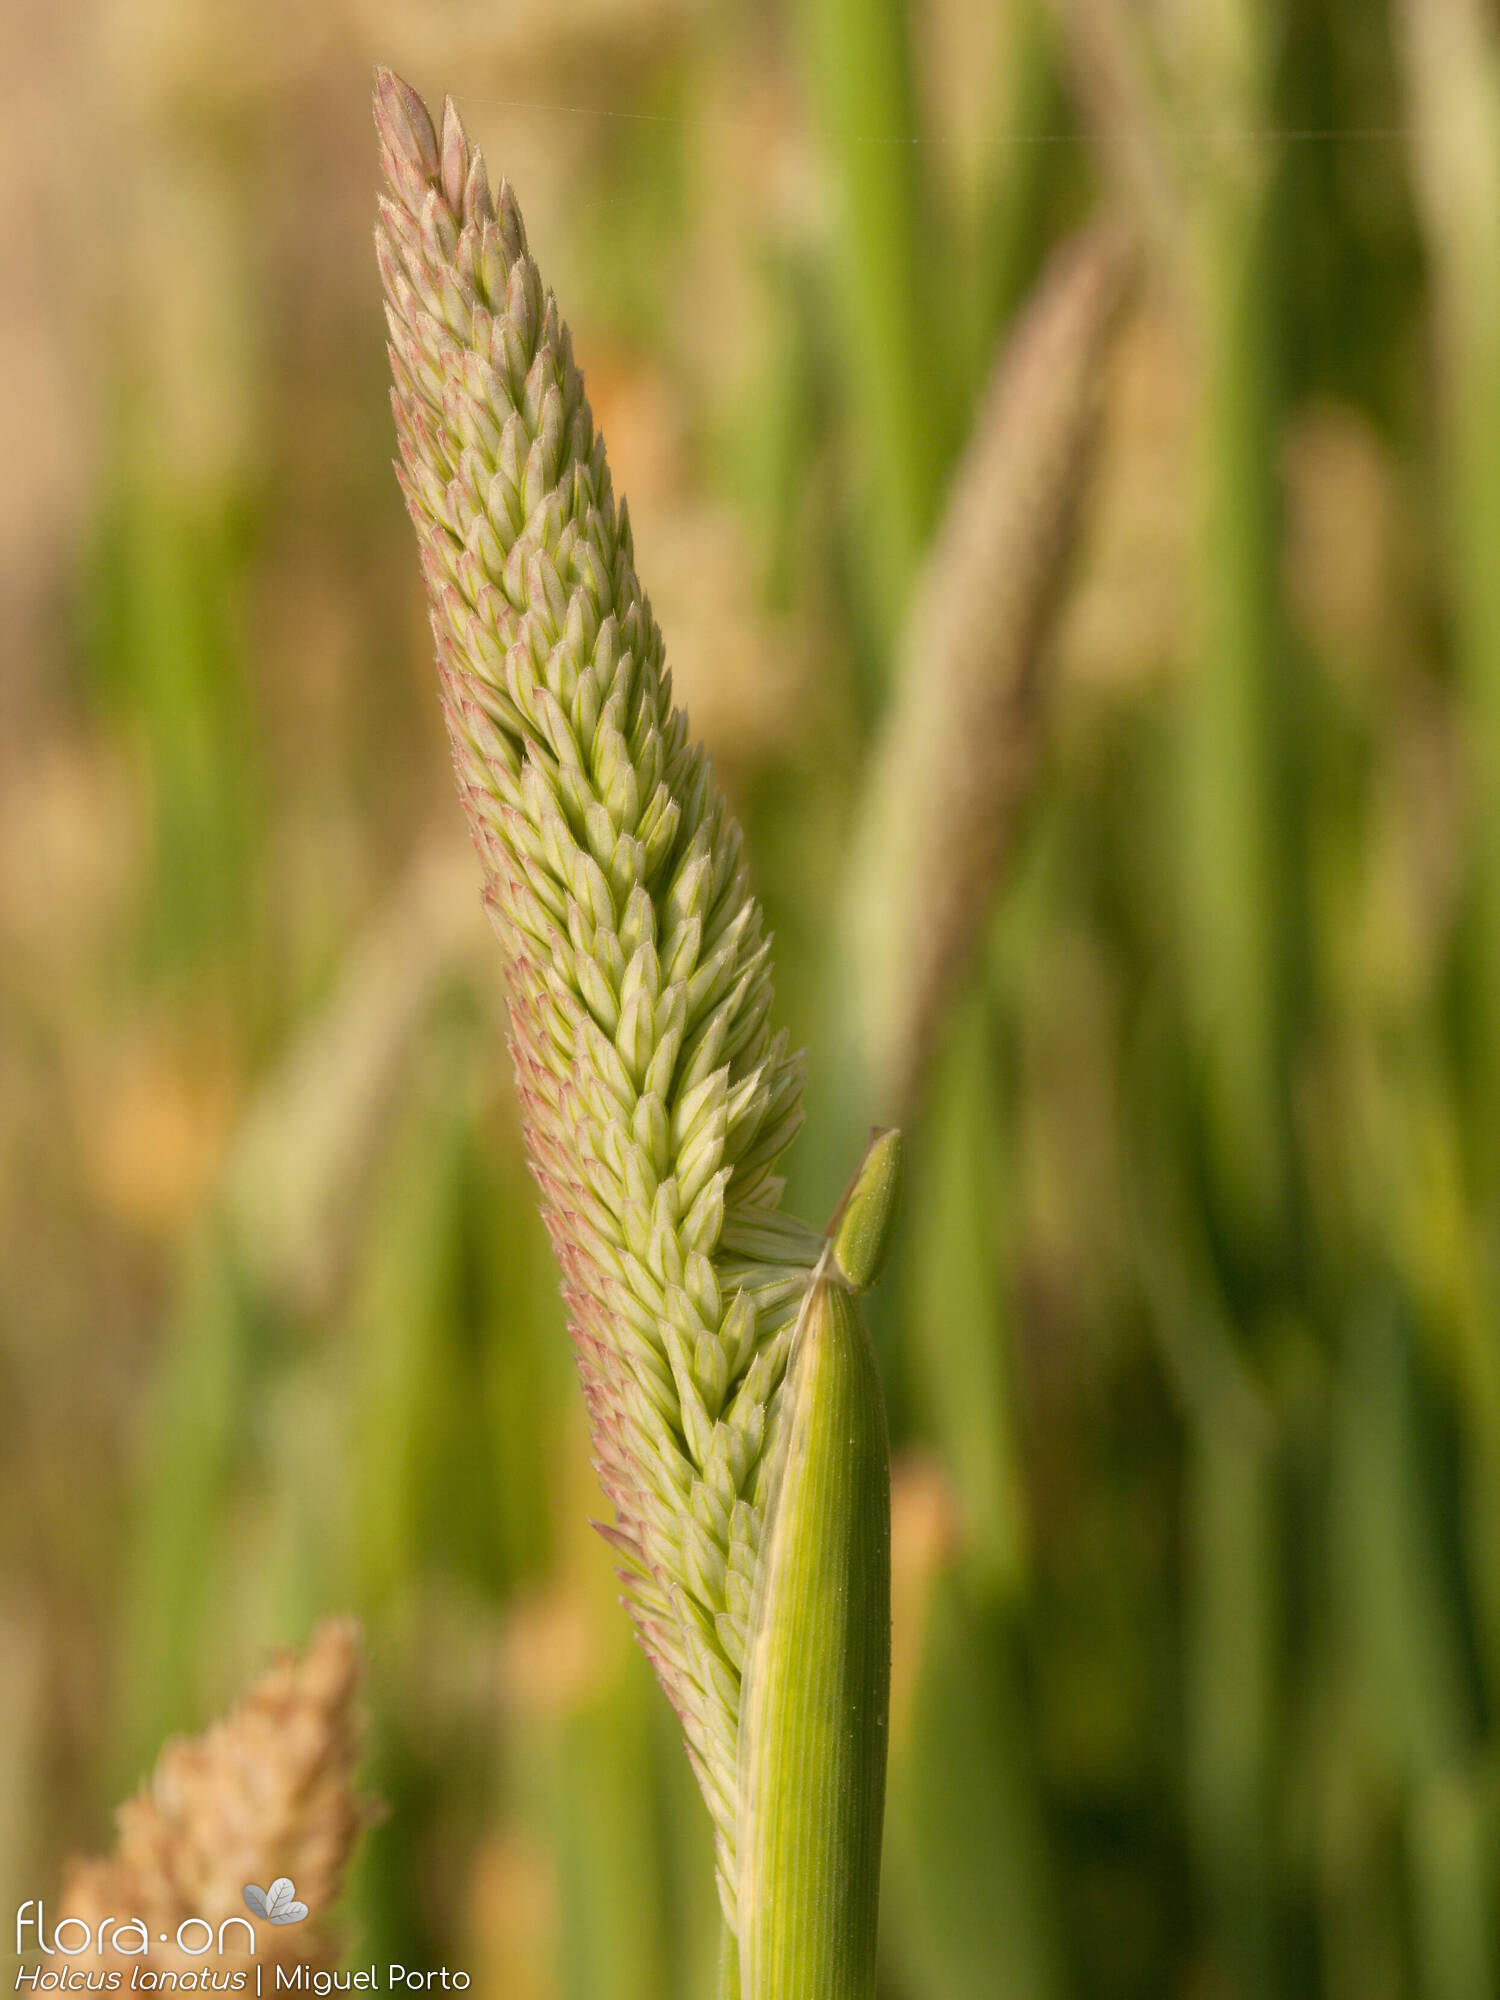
[(278, 1904)]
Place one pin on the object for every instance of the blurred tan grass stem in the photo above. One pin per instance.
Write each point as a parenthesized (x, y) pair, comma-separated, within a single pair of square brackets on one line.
[(958, 751)]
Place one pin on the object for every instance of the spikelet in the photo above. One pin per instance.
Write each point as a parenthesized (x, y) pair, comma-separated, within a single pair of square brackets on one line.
[(958, 750), (656, 1099), (267, 1791)]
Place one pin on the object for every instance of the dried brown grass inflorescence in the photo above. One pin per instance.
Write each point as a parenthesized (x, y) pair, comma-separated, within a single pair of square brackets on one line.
[(959, 749), (266, 1791)]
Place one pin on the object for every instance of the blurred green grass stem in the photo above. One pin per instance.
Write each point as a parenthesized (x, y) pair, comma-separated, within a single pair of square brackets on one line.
[(1452, 62), (1183, 97), (859, 65), (1236, 917), (1409, 1651), (958, 1325), (1234, 1639), (973, 1906), (1451, 52), (197, 1430)]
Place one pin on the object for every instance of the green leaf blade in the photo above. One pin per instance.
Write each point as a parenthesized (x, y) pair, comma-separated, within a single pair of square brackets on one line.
[(815, 1707)]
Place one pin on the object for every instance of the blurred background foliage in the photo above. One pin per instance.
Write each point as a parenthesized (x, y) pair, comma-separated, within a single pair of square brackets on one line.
[(1193, 1343)]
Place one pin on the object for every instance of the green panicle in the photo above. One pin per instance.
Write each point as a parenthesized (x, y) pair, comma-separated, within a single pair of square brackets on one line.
[(656, 1097)]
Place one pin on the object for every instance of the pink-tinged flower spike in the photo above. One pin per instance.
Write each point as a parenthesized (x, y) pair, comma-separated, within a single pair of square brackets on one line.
[(657, 1100)]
